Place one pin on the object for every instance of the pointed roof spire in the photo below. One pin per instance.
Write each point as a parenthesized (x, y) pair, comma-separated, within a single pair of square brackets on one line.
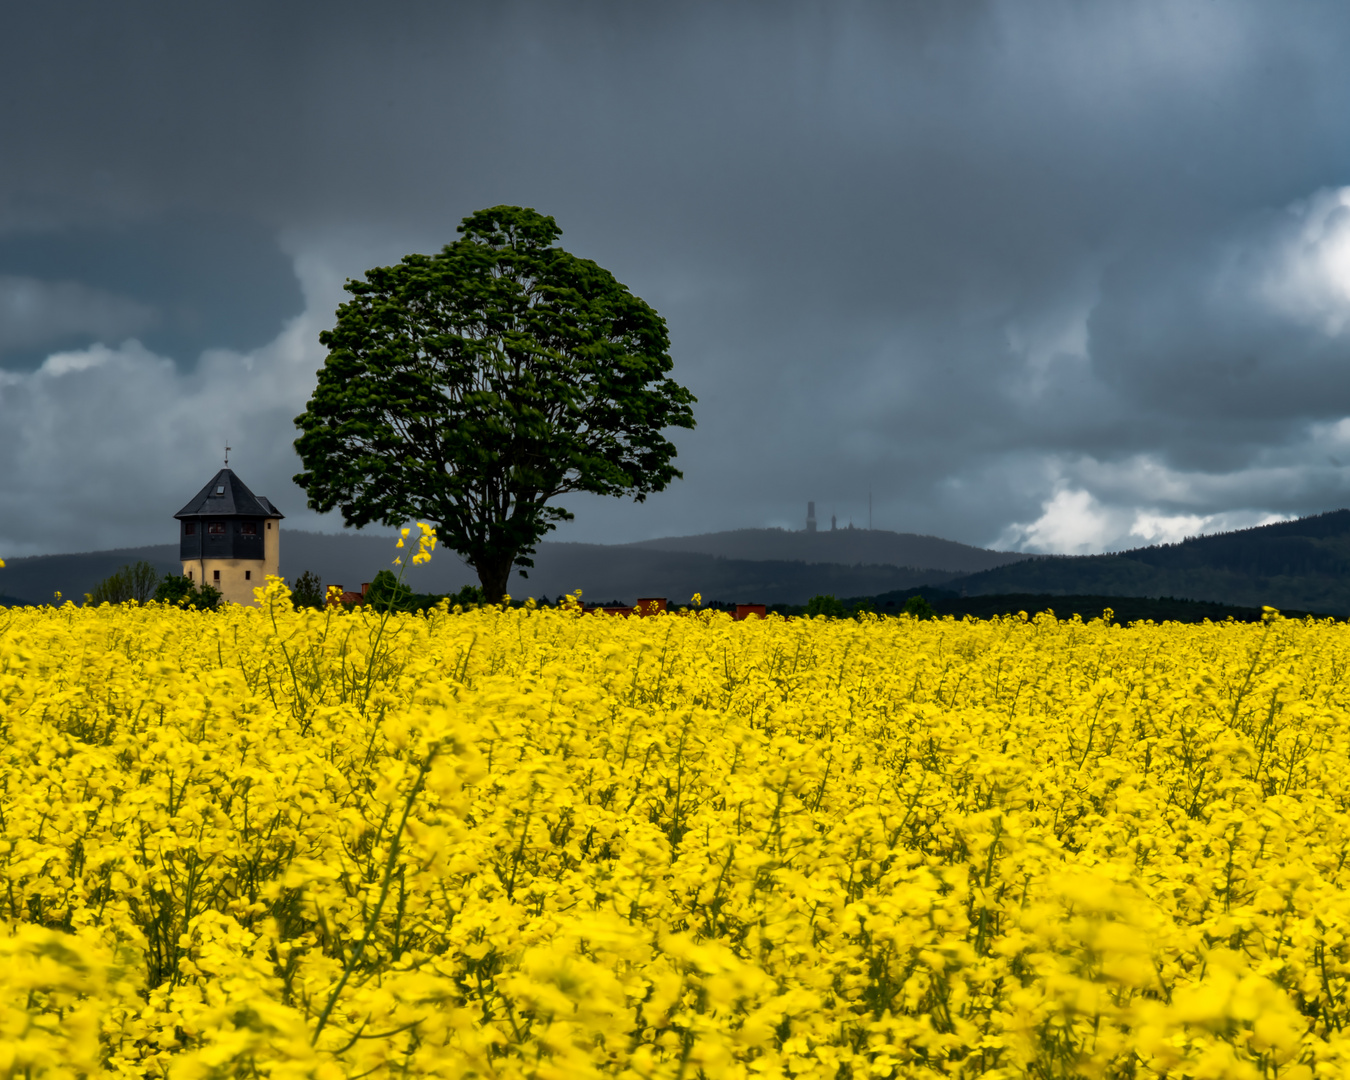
[(228, 496)]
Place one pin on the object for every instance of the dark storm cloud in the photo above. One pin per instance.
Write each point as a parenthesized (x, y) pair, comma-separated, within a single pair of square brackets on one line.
[(1037, 271), (180, 284), (37, 316), (1246, 328)]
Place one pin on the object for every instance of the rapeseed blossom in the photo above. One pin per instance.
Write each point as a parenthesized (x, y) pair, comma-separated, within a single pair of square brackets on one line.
[(537, 843)]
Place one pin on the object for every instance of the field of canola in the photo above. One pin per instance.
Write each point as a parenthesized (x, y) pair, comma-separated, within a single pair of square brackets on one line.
[(516, 843)]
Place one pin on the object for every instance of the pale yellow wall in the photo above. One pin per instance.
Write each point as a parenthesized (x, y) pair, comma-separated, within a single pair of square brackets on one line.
[(233, 586), (272, 546)]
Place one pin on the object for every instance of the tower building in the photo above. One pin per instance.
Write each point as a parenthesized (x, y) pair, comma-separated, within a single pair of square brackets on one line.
[(230, 538), (810, 517)]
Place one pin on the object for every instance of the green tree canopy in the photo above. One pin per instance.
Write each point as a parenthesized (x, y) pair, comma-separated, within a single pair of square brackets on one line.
[(388, 593), (472, 387), (826, 604), (307, 592), (920, 608), (135, 581)]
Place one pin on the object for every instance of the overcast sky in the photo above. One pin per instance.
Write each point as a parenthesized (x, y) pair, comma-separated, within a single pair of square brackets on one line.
[(1047, 276)]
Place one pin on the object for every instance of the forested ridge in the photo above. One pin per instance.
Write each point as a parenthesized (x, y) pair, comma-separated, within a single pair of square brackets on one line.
[(1302, 564)]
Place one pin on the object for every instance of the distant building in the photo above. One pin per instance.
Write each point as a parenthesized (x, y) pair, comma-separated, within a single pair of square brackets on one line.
[(810, 517), (230, 538), (834, 523)]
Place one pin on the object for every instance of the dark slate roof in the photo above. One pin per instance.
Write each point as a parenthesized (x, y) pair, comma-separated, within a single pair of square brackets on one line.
[(228, 496)]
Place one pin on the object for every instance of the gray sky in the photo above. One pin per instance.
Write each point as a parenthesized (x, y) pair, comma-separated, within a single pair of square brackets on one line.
[(1053, 276)]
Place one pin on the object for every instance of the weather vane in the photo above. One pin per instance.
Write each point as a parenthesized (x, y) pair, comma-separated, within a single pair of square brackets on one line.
[(227, 453)]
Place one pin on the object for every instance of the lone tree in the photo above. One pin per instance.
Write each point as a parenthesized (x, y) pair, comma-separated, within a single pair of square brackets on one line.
[(470, 388)]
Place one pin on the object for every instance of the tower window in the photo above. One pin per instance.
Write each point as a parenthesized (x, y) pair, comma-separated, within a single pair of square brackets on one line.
[(189, 528), (189, 575), (215, 574), (248, 575), (216, 528), (248, 528), (269, 524)]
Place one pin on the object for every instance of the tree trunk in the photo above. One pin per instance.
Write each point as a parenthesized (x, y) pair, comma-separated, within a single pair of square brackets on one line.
[(493, 575)]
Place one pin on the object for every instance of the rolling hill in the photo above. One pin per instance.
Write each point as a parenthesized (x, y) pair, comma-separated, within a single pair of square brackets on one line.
[(626, 572), (1294, 565), (36, 579), (1302, 564), (846, 546), (601, 571), (342, 559)]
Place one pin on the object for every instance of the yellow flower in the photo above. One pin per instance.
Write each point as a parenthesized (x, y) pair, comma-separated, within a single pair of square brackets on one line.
[(426, 543), (516, 841)]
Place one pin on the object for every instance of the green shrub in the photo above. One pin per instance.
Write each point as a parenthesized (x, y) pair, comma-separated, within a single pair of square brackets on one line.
[(181, 590), (470, 596)]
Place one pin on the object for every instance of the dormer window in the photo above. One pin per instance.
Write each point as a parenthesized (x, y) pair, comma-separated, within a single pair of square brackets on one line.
[(220, 489)]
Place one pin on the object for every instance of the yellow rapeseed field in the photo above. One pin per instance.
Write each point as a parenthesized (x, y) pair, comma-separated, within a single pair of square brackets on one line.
[(527, 843)]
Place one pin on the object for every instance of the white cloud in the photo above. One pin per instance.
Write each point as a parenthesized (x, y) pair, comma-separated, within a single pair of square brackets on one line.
[(1308, 277), (1072, 522), (1114, 506), (1075, 522), (100, 446), (59, 364), (1156, 528)]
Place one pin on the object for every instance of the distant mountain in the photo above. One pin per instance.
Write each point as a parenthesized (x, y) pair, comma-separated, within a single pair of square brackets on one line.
[(846, 546), (345, 559), (601, 571), (36, 579), (1303, 564), (628, 571), (1294, 565)]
